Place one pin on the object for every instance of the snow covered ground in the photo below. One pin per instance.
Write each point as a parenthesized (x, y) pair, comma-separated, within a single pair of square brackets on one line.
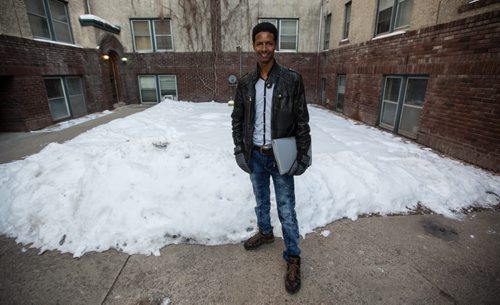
[(71, 123), (167, 175)]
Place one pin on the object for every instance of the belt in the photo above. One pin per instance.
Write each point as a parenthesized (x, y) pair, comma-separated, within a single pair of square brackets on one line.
[(265, 150)]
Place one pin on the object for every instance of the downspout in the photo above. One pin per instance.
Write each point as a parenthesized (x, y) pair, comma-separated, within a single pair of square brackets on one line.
[(87, 4), (319, 30), (438, 12), (318, 80)]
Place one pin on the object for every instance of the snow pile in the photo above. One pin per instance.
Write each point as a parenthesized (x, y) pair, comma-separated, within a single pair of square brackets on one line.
[(167, 175), (71, 123)]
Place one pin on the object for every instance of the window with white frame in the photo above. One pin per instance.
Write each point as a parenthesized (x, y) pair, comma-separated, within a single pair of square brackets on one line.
[(402, 104), (288, 32), (347, 20), (66, 97), (392, 15), (157, 88), (49, 19), (326, 36), (152, 35)]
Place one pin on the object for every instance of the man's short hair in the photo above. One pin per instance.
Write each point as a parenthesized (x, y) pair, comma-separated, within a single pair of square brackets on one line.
[(265, 27)]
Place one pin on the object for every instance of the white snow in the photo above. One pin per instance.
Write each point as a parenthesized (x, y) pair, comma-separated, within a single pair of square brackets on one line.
[(325, 233), (73, 122), (167, 175), (99, 19)]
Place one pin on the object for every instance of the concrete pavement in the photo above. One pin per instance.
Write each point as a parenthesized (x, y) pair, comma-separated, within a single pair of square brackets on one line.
[(17, 145), (417, 259)]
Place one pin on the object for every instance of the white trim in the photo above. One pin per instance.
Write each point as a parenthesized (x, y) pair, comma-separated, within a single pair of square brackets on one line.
[(58, 42), (389, 34)]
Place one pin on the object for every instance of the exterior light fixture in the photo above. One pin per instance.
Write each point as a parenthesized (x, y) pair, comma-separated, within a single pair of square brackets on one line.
[(124, 60), (105, 57)]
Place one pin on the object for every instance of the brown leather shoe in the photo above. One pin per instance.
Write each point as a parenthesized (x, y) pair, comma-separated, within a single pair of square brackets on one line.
[(258, 240), (292, 278)]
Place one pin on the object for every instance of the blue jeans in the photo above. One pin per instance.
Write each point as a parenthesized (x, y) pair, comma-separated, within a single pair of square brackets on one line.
[(263, 167)]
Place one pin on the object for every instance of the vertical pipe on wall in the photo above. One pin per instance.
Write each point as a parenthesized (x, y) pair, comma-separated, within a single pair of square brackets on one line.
[(17, 19), (319, 29), (87, 6)]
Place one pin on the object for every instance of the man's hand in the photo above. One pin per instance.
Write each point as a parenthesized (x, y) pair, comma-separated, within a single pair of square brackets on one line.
[(300, 165), (240, 159)]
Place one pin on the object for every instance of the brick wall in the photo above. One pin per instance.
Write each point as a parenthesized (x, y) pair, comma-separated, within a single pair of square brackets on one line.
[(24, 63), (461, 114), (204, 76)]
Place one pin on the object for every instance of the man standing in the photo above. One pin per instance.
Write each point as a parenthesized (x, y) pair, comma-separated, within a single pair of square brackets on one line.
[(270, 104)]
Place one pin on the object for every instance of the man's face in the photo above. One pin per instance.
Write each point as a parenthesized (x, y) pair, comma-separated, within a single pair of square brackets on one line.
[(264, 46)]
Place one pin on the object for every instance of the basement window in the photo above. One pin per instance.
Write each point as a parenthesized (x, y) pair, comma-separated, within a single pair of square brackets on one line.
[(66, 97), (339, 104), (157, 88), (402, 103)]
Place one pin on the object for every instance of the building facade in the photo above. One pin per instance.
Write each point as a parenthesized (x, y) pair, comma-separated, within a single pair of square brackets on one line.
[(427, 70)]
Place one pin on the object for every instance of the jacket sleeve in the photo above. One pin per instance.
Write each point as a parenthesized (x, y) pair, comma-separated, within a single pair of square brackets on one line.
[(302, 135), (237, 118)]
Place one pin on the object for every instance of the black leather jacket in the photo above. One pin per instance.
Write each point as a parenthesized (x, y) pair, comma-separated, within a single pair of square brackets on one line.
[(289, 115)]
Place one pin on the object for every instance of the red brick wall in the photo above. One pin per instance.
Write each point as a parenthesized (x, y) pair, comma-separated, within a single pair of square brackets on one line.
[(204, 77), (461, 114), (24, 63)]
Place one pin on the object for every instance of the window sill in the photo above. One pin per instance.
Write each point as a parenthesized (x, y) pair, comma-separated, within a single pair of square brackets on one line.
[(343, 42), (58, 42), (395, 33), (286, 51), (153, 52), (475, 5)]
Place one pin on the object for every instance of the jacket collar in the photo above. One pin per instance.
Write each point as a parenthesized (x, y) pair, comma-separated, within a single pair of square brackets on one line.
[(273, 74)]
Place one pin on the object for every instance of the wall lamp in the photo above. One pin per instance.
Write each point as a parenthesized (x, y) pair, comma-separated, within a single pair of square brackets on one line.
[(105, 57), (124, 60)]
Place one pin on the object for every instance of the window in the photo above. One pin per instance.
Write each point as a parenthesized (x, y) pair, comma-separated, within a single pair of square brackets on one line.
[(287, 31), (49, 20), (339, 105), (153, 35), (66, 98), (326, 36), (347, 20), (392, 15), (156, 88), (323, 91), (402, 103)]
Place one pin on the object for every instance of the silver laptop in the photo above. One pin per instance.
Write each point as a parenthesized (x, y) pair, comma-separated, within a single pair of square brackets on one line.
[(285, 153)]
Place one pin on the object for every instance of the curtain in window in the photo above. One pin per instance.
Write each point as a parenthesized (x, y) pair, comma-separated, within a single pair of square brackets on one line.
[(384, 16), (142, 35), (168, 86), (60, 21), (147, 86), (288, 35), (163, 35)]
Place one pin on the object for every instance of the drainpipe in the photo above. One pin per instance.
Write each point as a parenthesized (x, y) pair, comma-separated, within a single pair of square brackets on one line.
[(438, 12), (319, 30), (87, 4)]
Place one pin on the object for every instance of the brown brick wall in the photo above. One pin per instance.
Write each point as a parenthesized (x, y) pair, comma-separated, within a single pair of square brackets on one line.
[(461, 115), (204, 77), (24, 63)]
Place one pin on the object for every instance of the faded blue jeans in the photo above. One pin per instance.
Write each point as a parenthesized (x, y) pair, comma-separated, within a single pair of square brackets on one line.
[(263, 167)]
